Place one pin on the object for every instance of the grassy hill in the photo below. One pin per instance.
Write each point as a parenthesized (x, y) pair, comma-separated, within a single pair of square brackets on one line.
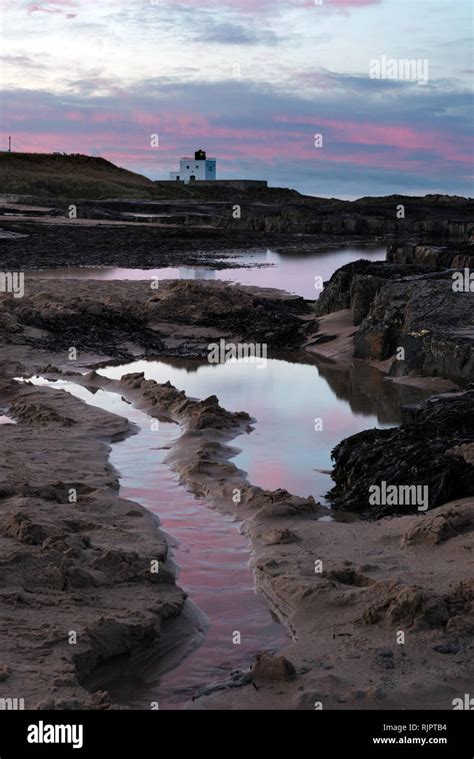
[(70, 176), (82, 177)]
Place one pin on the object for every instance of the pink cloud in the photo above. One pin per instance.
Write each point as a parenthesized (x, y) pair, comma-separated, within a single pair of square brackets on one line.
[(53, 9), (250, 6), (233, 145), (386, 135), (352, 3), (122, 134)]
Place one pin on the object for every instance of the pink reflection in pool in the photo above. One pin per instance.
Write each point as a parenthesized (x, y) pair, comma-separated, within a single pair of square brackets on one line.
[(213, 559), (294, 272)]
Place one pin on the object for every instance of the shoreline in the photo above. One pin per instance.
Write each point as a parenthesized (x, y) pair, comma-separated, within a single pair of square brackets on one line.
[(281, 530), (346, 617), (337, 331)]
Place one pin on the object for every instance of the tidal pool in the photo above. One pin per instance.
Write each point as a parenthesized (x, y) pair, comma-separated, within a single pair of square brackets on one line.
[(286, 449), (294, 272), (211, 558), (302, 410)]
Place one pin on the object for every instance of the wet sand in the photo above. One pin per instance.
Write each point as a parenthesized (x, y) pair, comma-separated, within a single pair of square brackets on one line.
[(77, 584), (381, 612), (404, 576)]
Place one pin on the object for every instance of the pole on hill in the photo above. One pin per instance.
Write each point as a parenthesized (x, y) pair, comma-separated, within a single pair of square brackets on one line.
[(9, 144)]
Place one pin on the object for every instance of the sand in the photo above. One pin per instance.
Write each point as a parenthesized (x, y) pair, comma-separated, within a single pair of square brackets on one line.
[(366, 628), (380, 613), (76, 580)]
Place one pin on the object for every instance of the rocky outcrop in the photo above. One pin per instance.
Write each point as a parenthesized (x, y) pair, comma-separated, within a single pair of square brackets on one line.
[(356, 284), (280, 211), (425, 324), (198, 415), (177, 232), (450, 256), (425, 452), (129, 319), (410, 312)]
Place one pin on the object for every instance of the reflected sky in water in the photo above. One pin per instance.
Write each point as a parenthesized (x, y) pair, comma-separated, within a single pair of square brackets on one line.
[(285, 450), (213, 559), (294, 272)]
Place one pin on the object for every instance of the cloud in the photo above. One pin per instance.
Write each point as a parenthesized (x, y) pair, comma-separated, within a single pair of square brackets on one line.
[(234, 34), (23, 61), (210, 25), (371, 146), (252, 6), (202, 73), (246, 6), (53, 9), (352, 3)]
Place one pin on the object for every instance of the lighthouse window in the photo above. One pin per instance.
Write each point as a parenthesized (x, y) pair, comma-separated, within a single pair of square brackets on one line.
[(187, 167)]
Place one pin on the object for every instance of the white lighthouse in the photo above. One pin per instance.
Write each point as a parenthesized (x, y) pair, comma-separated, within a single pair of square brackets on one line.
[(198, 168)]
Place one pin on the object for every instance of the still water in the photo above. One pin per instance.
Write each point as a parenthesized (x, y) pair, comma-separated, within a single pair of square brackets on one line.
[(302, 410), (284, 450), (295, 272), (211, 558)]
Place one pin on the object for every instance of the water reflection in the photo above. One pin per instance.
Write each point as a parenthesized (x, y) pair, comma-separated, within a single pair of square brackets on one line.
[(6, 420), (294, 272), (185, 272), (213, 560), (288, 448)]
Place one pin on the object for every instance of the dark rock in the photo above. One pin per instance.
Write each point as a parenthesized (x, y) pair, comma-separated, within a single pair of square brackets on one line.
[(433, 325), (448, 647), (270, 667), (421, 452), (410, 306), (453, 255), (356, 284), (385, 658)]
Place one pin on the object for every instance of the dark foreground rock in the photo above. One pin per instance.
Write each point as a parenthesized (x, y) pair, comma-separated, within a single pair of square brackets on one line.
[(451, 255), (425, 324), (126, 320), (433, 449), (356, 284), (410, 313)]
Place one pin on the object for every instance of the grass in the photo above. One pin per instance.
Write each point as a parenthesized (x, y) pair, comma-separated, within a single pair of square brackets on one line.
[(82, 177), (70, 177)]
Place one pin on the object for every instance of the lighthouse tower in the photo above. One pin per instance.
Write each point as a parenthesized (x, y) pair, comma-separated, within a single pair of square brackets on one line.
[(194, 169)]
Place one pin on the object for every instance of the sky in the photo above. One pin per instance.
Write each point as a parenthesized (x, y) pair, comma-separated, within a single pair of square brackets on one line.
[(252, 82)]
